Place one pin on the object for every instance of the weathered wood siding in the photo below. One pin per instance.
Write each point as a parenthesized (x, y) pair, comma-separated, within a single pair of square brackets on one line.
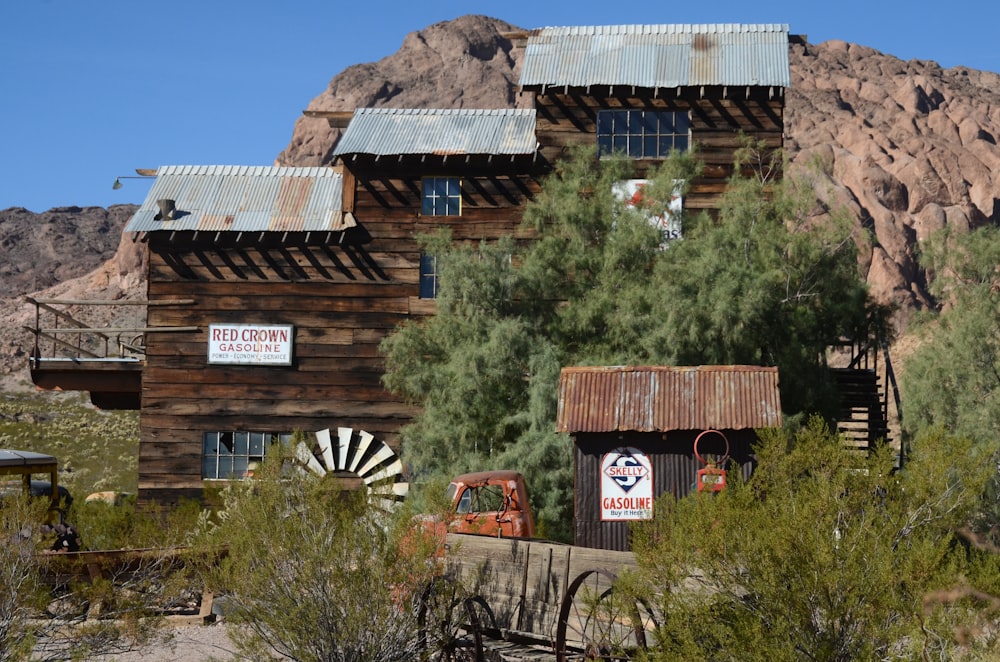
[(567, 117), (342, 300)]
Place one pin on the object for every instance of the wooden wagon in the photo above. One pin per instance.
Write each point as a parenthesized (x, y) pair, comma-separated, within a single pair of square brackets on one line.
[(510, 599)]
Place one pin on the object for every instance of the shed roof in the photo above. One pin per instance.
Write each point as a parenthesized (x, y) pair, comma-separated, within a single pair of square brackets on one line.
[(12, 458), (244, 199), (656, 56), (666, 398), (394, 131)]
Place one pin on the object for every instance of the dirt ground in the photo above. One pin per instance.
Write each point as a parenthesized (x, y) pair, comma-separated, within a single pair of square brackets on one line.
[(187, 643)]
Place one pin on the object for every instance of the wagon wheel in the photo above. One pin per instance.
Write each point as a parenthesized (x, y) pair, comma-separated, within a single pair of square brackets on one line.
[(596, 622), (451, 624)]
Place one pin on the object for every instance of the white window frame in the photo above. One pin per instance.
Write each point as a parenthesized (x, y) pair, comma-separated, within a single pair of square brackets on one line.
[(435, 203), (638, 133), (230, 461)]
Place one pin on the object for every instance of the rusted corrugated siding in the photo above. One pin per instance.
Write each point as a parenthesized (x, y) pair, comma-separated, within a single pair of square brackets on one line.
[(675, 470), (665, 398)]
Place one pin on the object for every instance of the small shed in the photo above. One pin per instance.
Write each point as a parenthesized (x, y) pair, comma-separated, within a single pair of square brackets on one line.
[(634, 431)]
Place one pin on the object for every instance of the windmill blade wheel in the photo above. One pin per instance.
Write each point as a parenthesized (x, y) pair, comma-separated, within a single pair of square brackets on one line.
[(359, 453)]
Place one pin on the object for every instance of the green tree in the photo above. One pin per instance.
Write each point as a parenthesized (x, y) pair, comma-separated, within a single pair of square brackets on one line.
[(762, 284), (314, 573), (823, 555), (953, 379)]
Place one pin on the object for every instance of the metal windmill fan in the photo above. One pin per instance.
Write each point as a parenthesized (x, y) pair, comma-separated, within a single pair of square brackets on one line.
[(373, 461)]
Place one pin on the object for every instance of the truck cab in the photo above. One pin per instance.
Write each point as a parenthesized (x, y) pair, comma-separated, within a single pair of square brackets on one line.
[(491, 503)]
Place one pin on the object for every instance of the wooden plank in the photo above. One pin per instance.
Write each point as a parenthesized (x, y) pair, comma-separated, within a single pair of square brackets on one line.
[(229, 407)]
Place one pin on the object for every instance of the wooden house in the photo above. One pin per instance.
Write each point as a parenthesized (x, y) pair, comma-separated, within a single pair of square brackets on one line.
[(320, 264), (644, 90), (642, 432)]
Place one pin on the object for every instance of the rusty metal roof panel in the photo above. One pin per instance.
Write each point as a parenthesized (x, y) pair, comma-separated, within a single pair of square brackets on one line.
[(658, 55), (395, 131), (244, 199), (665, 398)]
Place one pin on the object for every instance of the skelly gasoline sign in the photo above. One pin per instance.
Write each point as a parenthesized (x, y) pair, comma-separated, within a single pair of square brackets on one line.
[(626, 485)]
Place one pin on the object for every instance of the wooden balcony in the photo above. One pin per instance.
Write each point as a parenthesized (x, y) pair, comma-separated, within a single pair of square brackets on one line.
[(71, 353)]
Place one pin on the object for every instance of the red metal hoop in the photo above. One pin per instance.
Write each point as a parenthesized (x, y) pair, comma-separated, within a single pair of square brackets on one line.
[(723, 459)]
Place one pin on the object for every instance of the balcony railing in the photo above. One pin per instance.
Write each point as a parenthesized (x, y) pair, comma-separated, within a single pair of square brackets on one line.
[(70, 329)]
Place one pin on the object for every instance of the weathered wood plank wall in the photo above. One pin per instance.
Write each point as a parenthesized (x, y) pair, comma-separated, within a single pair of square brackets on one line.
[(341, 299)]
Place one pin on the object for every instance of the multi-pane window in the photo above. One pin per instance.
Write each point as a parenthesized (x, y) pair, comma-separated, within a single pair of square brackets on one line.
[(428, 276), (642, 134), (441, 196), (227, 455)]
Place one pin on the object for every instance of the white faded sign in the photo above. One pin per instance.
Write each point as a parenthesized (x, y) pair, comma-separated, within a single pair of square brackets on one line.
[(250, 344), (632, 192), (626, 485)]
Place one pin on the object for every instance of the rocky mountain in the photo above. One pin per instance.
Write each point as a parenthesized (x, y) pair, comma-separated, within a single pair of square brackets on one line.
[(909, 147)]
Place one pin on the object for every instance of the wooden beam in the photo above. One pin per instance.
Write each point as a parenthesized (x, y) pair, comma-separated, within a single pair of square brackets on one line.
[(337, 119)]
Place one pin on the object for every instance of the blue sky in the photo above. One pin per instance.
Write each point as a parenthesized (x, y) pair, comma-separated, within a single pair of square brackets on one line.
[(92, 90)]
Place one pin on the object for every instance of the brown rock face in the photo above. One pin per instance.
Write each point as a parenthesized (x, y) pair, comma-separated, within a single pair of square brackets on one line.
[(464, 63), (909, 147)]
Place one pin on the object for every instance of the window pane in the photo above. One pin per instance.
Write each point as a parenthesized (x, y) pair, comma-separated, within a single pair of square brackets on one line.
[(428, 276), (635, 122), (440, 186), (649, 147), (225, 467), (604, 124), (241, 443), (635, 147), (428, 186), (650, 123), (257, 444), (642, 133), (666, 144)]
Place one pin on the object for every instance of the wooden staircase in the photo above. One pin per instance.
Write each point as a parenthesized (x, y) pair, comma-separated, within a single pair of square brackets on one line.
[(864, 386), (862, 418)]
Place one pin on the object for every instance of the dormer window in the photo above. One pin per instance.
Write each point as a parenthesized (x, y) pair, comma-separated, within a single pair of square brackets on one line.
[(642, 134), (442, 196)]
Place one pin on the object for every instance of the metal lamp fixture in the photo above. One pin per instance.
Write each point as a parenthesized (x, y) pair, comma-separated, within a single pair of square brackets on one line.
[(141, 173)]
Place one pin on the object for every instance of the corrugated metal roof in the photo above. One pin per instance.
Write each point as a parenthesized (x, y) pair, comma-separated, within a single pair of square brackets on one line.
[(244, 198), (393, 131), (658, 55), (665, 398)]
